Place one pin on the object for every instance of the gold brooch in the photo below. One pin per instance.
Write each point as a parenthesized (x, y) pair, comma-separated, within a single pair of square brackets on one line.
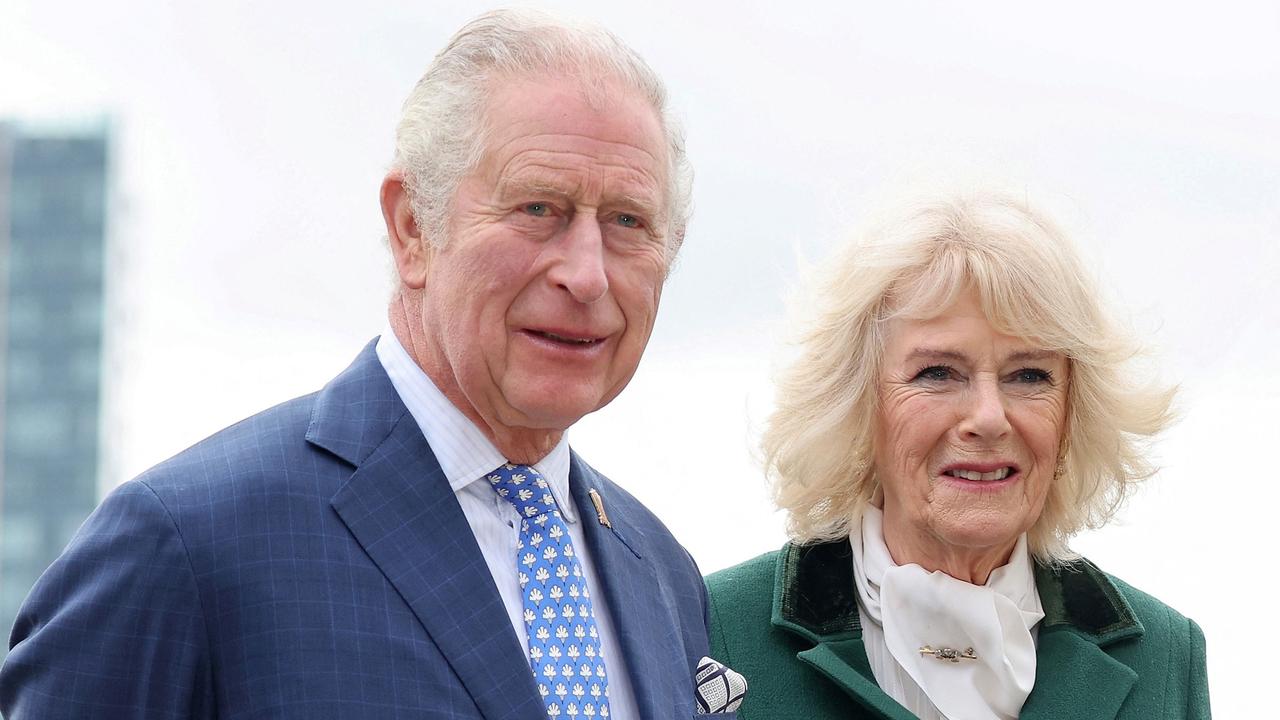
[(600, 514), (951, 654)]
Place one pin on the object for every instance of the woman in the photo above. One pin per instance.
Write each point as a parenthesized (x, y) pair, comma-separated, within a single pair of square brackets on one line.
[(959, 408)]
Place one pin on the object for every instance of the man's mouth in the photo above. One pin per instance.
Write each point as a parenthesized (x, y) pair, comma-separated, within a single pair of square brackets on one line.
[(566, 339)]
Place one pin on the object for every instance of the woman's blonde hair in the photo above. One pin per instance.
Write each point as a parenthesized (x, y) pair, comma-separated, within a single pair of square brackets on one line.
[(817, 445)]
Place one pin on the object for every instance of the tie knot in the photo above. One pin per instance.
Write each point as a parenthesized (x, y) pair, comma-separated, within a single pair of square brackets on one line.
[(525, 489)]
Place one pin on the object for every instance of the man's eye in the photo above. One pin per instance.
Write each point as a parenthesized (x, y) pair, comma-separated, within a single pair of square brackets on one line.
[(1032, 376), (630, 221), (935, 373), (539, 209)]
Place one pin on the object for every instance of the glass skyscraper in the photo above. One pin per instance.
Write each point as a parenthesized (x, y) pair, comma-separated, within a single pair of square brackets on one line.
[(53, 203)]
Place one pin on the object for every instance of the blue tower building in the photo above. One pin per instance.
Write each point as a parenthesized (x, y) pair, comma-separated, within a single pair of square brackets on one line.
[(53, 211)]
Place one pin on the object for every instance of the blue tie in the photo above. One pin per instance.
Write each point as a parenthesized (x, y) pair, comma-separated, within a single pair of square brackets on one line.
[(564, 644)]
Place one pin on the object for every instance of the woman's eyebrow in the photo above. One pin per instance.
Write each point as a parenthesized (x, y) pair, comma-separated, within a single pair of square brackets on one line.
[(926, 353), (1024, 355)]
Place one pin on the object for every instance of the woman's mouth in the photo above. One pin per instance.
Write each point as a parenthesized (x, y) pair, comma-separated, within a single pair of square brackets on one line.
[(976, 476)]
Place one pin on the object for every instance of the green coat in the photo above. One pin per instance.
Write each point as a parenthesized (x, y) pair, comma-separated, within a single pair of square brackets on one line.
[(788, 621)]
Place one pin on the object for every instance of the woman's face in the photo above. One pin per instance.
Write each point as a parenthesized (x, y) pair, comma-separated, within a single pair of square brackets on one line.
[(969, 425)]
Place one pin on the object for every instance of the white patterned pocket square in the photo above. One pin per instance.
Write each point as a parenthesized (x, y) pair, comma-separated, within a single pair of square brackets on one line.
[(718, 689)]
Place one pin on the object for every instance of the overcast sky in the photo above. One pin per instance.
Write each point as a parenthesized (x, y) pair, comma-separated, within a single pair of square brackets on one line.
[(248, 264)]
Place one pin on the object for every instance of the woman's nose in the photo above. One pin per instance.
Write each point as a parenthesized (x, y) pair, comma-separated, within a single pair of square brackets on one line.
[(984, 413)]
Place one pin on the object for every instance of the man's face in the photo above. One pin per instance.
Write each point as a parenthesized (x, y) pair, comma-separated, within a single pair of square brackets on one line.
[(538, 306)]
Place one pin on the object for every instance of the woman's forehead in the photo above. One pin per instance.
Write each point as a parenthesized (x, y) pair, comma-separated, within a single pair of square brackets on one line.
[(960, 332)]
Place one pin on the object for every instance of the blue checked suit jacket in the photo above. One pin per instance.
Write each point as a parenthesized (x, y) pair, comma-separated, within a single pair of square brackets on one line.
[(311, 562)]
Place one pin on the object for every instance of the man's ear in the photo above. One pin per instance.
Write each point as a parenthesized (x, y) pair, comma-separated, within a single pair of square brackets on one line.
[(407, 245)]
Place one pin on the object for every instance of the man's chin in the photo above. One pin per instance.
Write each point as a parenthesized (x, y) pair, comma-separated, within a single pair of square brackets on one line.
[(551, 409)]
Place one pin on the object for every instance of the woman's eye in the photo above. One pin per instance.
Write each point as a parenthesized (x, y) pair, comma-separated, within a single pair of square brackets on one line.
[(539, 209), (935, 373), (1032, 376), (630, 221)]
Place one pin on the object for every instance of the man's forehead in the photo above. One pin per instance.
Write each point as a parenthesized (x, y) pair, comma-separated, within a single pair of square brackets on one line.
[(567, 106), (598, 90)]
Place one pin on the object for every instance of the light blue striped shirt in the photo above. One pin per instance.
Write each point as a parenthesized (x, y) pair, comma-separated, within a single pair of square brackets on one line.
[(466, 456)]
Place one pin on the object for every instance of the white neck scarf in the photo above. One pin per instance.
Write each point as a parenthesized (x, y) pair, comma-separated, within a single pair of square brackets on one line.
[(916, 608)]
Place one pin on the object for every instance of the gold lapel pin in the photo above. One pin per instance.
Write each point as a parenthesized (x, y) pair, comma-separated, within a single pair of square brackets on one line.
[(600, 513), (951, 654)]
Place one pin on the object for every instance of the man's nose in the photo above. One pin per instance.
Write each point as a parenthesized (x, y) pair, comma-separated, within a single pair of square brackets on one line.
[(579, 265), (984, 411)]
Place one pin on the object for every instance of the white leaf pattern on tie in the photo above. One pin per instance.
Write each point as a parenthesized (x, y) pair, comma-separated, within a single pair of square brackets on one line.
[(564, 643)]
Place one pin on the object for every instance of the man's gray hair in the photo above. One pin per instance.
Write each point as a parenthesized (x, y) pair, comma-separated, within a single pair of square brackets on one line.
[(440, 137)]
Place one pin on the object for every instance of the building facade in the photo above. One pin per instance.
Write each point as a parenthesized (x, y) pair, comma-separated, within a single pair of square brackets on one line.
[(53, 223)]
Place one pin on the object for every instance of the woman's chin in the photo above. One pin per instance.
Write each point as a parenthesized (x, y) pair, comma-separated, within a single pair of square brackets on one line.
[(989, 539)]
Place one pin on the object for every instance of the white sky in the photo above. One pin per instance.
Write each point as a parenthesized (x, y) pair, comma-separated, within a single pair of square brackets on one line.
[(248, 265)]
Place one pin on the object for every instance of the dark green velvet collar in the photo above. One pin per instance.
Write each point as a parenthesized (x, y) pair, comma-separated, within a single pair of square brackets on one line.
[(815, 597)]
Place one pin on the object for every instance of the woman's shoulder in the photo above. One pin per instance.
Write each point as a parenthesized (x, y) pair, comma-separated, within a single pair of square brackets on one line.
[(1131, 625), (1142, 602), (1162, 646), (743, 590), (1081, 596), (759, 570), (1161, 623)]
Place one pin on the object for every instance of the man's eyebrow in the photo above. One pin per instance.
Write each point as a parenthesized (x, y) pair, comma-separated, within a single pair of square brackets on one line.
[(644, 203), (533, 187), (647, 204)]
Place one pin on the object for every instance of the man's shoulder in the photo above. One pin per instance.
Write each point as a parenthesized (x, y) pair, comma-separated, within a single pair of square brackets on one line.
[(256, 445), (271, 450), (272, 424)]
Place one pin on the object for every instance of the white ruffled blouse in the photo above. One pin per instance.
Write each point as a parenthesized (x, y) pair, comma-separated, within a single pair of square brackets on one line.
[(904, 608)]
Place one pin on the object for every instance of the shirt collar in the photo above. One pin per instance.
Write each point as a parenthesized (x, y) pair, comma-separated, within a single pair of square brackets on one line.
[(815, 597), (464, 453), (871, 559)]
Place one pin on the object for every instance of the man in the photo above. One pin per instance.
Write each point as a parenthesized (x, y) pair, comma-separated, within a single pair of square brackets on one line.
[(416, 540)]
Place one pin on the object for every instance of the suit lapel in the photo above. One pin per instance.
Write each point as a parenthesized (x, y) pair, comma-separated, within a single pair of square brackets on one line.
[(400, 508), (630, 588)]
